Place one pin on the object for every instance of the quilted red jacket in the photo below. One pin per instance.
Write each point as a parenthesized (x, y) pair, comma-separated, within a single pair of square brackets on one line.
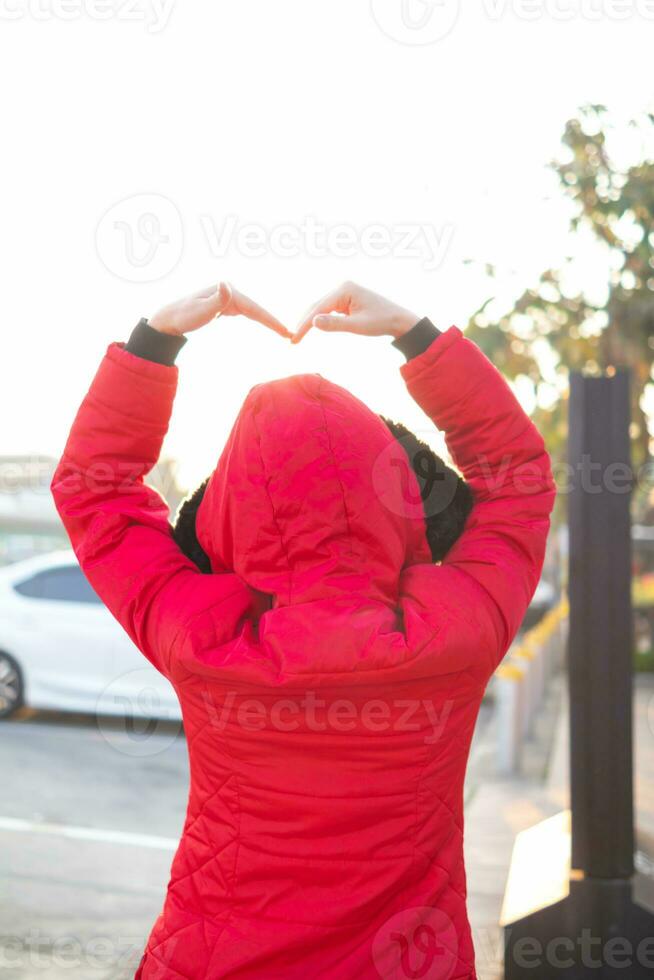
[(329, 673)]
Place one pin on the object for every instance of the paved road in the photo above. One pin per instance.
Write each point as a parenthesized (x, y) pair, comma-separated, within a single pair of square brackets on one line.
[(87, 831), (89, 820)]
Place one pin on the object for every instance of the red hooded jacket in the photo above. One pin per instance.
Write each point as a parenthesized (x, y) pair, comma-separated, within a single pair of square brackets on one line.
[(329, 673)]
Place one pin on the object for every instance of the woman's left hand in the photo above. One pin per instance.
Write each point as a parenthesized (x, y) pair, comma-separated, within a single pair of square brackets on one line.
[(353, 309), (200, 308)]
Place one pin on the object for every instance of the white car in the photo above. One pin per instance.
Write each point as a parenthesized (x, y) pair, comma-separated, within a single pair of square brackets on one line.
[(60, 648)]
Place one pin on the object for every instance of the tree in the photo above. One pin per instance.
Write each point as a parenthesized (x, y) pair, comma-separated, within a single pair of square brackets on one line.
[(568, 331)]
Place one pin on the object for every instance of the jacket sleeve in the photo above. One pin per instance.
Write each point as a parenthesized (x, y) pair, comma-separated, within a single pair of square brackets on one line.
[(490, 574), (118, 526)]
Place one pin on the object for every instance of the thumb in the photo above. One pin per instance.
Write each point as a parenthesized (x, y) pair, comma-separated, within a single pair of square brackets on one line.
[(219, 300), (335, 321)]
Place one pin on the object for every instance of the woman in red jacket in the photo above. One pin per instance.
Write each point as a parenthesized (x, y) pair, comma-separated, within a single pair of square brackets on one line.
[(329, 670)]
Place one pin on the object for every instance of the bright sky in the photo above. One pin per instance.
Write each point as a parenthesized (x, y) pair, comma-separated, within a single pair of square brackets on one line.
[(285, 147)]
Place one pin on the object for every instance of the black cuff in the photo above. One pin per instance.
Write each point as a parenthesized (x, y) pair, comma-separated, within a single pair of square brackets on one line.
[(417, 339), (153, 345)]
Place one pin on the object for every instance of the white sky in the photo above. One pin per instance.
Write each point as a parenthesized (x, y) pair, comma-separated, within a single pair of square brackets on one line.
[(261, 113)]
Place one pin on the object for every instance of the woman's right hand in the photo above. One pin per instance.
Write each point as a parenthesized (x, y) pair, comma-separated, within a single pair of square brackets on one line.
[(356, 310), (198, 309)]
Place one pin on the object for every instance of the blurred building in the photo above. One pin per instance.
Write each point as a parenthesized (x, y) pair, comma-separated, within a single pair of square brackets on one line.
[(29, 523)]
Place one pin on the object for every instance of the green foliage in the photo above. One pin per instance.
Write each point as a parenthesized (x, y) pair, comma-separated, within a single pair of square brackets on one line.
[(615, 203), (644, 662)]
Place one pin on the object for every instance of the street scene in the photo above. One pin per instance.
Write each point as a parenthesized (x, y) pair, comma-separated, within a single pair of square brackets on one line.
[(326, 490)]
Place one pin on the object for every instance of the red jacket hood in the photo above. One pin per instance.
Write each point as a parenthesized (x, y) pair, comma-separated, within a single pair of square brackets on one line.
[(312, 497)]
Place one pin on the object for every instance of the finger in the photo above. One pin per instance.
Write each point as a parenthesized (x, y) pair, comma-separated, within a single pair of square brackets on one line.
[(207, 292), (337, 301), (247, 307), (332, 301), (302, 330), (215, 299)]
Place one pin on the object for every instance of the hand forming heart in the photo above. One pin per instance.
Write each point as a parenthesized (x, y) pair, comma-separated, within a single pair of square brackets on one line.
[(349, 308)]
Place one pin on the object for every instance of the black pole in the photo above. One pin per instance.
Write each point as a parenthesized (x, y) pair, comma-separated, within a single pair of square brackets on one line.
[(596, 922), (600, 638)]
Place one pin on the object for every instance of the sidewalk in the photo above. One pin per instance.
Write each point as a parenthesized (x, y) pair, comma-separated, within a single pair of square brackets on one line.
[(497, 809)]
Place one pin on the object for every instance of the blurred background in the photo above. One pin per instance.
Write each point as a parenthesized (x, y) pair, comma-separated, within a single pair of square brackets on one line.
[(490, 166)]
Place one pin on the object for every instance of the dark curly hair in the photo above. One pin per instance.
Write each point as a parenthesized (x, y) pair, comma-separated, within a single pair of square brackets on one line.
[(446, 497), (447, 500), (184, 529)]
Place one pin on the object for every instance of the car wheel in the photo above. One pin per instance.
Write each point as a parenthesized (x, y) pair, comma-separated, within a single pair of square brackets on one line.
[(11, 685)]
